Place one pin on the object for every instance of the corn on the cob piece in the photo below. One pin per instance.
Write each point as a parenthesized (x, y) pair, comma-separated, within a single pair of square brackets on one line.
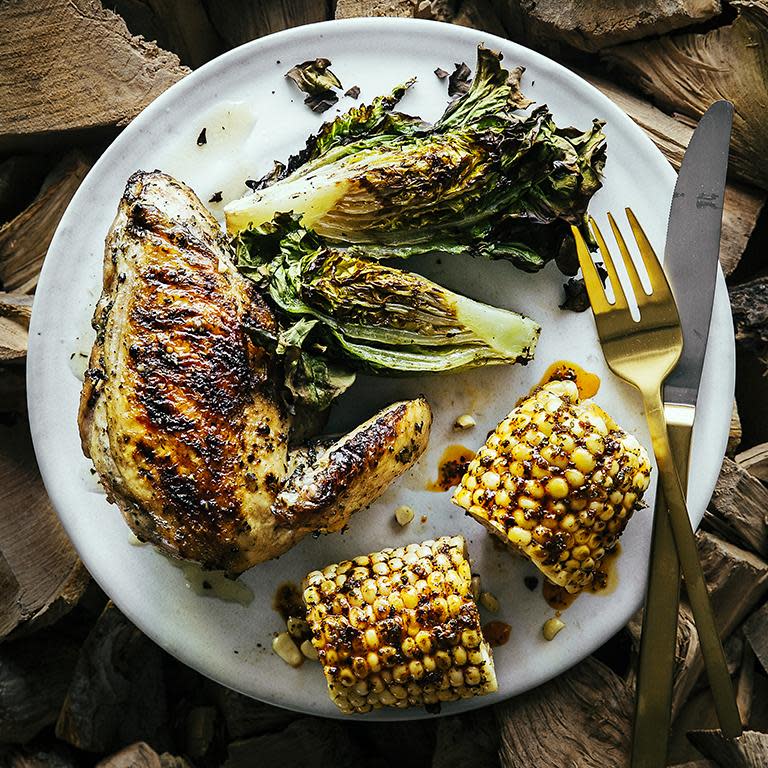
[(399, 628), (558, 481)]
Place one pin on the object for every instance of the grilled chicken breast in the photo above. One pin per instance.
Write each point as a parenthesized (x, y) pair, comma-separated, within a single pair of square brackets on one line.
[(181, 410)]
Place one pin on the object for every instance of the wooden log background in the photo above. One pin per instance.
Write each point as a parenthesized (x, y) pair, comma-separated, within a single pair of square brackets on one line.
[(79, 684)]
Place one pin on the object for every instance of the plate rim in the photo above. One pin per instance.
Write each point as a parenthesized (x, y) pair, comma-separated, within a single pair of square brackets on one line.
[(384, 25)]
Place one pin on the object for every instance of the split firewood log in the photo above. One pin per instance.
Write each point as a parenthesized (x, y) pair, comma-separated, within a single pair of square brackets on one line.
[(756, 633), (15, 313), (34, 675), (685, 73), (238, 21), (141, 755), (31, 757), (468, 739), (117, 694), (72, 65), (737, 580), (749, 307), (581, 719), (738, 509), (755, 461), (20, 180), (41, 576), (310, 742), (180, 26), (742, 204), (735, 433), (750, 750), (244, 716), (348, 9), (592, 26), (25, 239)]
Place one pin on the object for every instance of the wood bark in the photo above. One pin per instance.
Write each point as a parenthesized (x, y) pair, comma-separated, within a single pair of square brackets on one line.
[(470, 739), (40, 574), (15, 312), (580, 720), (117, 693), (180, 26), (755, 461), (592, 26), (71, 65), (749, 307), (750, 750), (734, 433), (480, 14), (239, 21), (738, 509), (685, 73), (244, 716), (742, 205), (34, 675), (25, 239), (311, 742)]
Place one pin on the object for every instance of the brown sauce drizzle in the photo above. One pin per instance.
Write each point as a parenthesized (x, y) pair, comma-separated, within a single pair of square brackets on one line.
[(289, 601), (587, 383), (453, 464), (497, 633), (605, 582)]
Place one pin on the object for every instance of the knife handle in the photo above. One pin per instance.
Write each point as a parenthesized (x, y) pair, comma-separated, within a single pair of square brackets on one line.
[(653, 703)]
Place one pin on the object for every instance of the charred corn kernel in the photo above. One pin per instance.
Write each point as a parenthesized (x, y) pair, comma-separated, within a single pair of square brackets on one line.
[(287, 650), (404, 514), (552, 627), (297, 627), (546, 490), (413, 635), (489, 602), (465, 421)]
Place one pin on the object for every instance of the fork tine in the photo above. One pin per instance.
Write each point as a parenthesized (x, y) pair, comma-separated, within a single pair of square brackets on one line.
[(656, 274), (592, 280), (629, 264), (620, 301)]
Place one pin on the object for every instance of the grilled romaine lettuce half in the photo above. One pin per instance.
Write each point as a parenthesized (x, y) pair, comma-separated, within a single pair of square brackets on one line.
[(487, 178), (376, 317)]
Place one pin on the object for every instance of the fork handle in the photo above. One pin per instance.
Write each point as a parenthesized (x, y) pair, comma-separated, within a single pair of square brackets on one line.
[(685, 542)]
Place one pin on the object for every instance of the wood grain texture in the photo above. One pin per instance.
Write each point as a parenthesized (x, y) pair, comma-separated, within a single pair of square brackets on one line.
[(15, 313), (685, 73), (590, 26), (580, 720), (755, 461), (742, 205), (238, 21), (40, 574), (25, 239), (71, 65), (749, 307), (181, 26), (348, 9), (738, 509), (750, 750), (737, 580)]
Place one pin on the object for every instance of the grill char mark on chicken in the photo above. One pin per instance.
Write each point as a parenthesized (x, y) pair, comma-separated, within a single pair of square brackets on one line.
[(180, 409)]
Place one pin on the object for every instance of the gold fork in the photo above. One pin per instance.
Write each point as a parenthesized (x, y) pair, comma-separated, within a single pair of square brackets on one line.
[(643, 353)]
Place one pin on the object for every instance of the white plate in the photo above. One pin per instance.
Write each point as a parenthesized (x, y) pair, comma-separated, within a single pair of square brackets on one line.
[(230, 642)]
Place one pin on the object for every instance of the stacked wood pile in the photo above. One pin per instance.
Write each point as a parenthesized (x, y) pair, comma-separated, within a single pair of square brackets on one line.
[(79, 685)]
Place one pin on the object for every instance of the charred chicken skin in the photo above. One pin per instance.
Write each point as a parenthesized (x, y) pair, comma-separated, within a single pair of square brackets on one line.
[(181, 410)]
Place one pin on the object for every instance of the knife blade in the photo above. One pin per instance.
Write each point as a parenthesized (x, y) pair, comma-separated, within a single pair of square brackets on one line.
[(693, 244), (690, 261)]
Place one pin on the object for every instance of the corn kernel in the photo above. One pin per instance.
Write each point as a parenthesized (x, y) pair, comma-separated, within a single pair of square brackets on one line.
[(557, 487), (404, 514), (520, 537), (489, 602), (465, 421), (287, 650), (552, 627)]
